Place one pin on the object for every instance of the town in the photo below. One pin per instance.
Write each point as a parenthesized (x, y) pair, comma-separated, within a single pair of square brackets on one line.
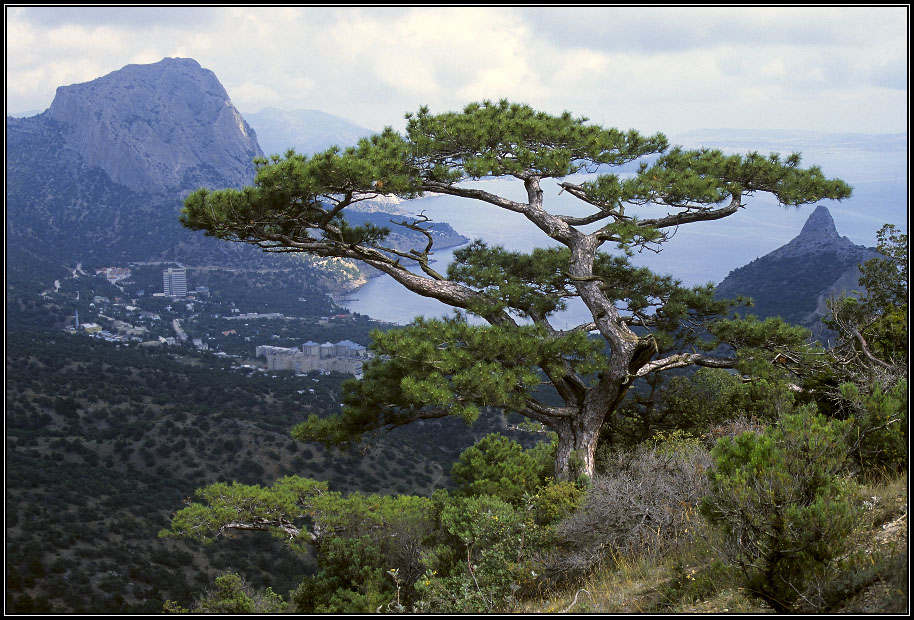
[(183, 316)]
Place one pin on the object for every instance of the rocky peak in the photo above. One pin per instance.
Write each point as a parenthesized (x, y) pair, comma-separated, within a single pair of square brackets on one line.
[(167, 126), (818, 235), (819, 226)]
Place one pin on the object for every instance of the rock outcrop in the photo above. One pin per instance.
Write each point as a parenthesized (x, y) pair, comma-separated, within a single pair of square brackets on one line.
[(163, 126), (101, 175)]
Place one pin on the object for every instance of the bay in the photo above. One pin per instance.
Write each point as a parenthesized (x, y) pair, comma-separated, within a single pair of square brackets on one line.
[(876, 166)]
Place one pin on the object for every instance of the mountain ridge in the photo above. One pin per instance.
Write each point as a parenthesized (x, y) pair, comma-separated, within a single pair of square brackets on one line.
[(307, 131), (101, 175)]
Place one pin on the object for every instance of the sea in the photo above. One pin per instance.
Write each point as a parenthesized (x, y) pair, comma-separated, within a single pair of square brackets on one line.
[(876, 166)]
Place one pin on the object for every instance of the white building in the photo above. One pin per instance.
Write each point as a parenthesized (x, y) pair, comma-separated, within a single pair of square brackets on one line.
[(174, 282)]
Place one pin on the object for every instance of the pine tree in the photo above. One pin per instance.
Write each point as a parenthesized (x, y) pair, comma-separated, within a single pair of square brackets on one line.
[(645, 323)]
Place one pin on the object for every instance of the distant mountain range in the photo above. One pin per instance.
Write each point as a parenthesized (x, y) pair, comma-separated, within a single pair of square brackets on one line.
[(306, 131), (796, 280)]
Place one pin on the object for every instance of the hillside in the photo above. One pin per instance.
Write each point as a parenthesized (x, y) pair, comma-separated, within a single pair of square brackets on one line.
[(687, 580), (103, 443)]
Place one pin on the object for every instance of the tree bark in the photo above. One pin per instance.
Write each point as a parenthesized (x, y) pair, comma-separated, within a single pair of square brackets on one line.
[(578, 435)]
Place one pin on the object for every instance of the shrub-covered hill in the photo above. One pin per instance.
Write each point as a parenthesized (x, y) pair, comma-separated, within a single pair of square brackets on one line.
[(103, 444)]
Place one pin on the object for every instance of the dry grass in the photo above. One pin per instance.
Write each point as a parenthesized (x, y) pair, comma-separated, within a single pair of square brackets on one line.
[(634, 585), (645, 503), (872, 579), (876, 579)]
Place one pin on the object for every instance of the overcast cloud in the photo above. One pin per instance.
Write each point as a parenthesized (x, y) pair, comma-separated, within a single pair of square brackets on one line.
[(830, 69)]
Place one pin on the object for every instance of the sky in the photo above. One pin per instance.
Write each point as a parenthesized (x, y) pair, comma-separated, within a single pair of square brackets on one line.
[(829, 69)]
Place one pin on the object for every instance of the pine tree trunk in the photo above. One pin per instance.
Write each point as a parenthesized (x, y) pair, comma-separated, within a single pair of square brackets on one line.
[(578, 436), (575, 453)]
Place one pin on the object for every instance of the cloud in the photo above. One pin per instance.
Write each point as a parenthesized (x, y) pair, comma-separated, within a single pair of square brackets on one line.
[(131, 18), (643, 67), (661, 30), (891, 73)]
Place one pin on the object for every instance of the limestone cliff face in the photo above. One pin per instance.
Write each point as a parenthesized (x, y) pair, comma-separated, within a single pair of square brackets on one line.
[(164, 126), (101, 175), (795, 280)]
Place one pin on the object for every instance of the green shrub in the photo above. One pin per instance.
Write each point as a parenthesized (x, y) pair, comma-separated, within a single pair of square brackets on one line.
[(554, 501), (879, 435), (484, 557), (350, 580), (781, 503), (500, 467), (364, 542), (233, 596)]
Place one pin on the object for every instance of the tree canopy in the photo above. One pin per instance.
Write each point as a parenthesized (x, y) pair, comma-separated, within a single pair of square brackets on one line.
[(641, 323), (873, 328)]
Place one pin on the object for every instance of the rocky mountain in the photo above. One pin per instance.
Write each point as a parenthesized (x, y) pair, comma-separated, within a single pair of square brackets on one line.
[(795, 280), (306, 131), (99, 178), (165, 125), (818, 236), (101, 175)]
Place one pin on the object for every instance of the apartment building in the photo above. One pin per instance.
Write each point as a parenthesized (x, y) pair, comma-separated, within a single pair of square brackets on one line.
[(345, 357)]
